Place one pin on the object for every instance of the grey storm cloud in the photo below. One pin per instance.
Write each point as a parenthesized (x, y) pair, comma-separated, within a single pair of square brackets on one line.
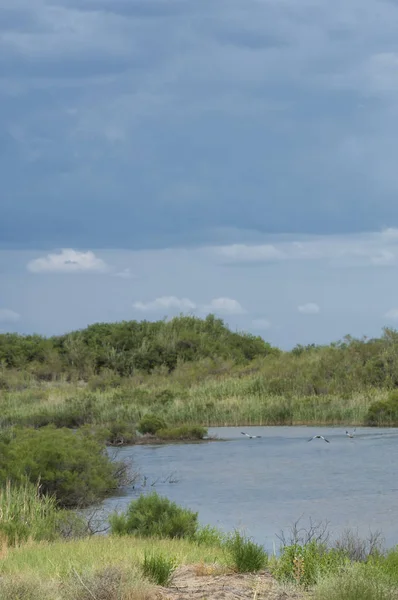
[(153, 123)]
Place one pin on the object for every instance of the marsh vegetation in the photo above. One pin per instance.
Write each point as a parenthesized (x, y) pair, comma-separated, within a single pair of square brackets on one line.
[(189, 372), (65, 399)]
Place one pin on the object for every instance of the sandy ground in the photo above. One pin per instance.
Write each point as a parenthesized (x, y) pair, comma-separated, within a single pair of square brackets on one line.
[(205, 583)]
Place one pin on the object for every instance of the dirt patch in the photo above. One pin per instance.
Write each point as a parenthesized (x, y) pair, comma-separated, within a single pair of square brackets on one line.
[(194, 583)]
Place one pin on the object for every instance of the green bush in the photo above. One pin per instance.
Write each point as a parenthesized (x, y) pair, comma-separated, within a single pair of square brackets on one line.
[(120, 433), (72, 467), (158, 568), (151, 424), (185, 432), (247, 557), (153, 515), (307, 564), (384, 412), (387, 564)]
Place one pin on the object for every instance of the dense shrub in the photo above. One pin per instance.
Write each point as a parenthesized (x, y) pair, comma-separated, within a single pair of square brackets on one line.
[(119, 433), (111, 351), (71, 466), (153, 515), (384, 412), (151, 424), (185, 432), (387, 564)]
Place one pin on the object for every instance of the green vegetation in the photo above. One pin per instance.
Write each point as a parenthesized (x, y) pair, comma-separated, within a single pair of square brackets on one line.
[(158, 568), (184, 433), (63, 399), (120, 349), (25, 514), (247, 557), (384, 412), (155, 536), (155, 516), (307, 564), (151, 424), (131, 377), (71, 467), (355, 583), (107, 568)]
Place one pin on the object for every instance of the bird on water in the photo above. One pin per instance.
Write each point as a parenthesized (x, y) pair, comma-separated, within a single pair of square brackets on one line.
[(314, 437), (250, 436), (350, 435)]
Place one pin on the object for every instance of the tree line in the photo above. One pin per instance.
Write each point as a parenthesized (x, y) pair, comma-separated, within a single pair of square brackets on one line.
[(129, 346)]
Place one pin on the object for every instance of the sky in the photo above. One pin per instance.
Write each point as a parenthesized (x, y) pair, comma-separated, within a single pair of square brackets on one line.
[(237, 157)]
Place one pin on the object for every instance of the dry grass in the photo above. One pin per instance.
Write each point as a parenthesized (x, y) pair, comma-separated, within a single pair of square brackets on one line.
[(203, 569)]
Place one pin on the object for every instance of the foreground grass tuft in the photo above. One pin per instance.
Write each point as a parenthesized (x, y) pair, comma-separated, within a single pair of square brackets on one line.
[(159, 568), (247, 557)]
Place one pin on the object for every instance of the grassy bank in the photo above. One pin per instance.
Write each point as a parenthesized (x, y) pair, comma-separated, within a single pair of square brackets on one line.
[(116, 568), (154, 539), (216, 401), (195, 372)]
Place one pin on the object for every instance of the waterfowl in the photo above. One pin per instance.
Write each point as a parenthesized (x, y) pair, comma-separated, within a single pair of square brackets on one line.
[(350, 435), (250, 436), (314, 437)]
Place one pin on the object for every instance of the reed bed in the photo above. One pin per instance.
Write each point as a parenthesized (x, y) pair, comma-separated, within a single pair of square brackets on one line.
[(225, 402)]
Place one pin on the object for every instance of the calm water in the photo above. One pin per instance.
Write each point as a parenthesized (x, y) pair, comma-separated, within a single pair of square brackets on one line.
[(264, 485)]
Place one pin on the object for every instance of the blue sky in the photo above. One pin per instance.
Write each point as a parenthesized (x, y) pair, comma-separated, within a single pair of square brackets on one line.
[(232, 156)]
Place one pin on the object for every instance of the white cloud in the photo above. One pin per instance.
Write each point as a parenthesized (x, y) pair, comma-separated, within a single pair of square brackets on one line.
[(309, 309), (67, 261), (390, 233), (8, 316), (376, 249), (392, 314), (227, 306), (384, 257), (166, 303), (261, 323), (246, 253)]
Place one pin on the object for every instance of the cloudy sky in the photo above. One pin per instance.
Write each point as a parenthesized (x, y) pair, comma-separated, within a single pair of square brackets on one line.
[(227, 156)]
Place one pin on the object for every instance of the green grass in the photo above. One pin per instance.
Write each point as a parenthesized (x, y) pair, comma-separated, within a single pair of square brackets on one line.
[(159, 568), (25, 514), (357, 582), (59, 559), (246, 556), (215, 401), (105, 568)]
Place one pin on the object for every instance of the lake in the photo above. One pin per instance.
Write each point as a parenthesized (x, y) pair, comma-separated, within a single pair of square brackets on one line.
[(263, 485)]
